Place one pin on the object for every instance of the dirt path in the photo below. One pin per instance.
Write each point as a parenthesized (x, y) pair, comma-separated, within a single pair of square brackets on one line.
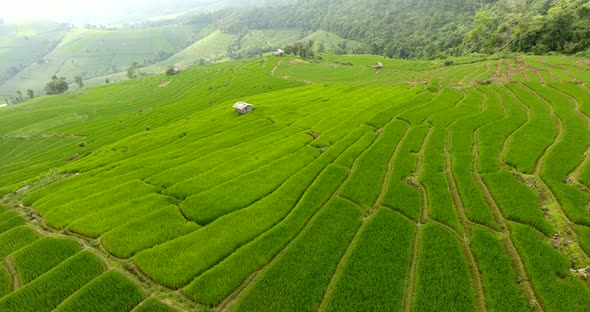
[(272, 72)]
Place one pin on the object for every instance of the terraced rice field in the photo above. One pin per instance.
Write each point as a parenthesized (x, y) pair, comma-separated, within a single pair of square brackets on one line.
[(414, 188)]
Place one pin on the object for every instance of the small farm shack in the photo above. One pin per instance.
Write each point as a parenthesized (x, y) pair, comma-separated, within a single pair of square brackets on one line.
[(243, 107), (279, 52), (379, 66)]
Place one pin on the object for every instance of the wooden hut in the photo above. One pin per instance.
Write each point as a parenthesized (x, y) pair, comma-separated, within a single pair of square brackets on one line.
[(279, 52), (243, 108)]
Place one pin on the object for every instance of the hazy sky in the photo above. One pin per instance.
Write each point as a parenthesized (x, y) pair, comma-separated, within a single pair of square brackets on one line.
[(89, 11)]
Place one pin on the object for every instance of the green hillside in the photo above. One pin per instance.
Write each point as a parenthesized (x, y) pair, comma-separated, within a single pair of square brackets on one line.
[(417, 187), (94, 53), (25, 43)]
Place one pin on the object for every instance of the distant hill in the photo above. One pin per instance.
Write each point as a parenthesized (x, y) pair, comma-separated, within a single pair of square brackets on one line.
[(434, 28)]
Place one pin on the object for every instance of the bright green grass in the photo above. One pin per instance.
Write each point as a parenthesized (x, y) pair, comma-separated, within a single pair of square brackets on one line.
[(517, 201), (297, 279), (47, 291), (584, 236), (365, 183), (111, 291), (401, 195), (98, 223), (440, 203), (15, 239), (222, 237), (153, 305), (443, 281), (500, 282), (155, 228), (9, 220), (549, 272), (374, 276), (246, 189), (41, 256), (5, 281), (216, 284), (529, 142)]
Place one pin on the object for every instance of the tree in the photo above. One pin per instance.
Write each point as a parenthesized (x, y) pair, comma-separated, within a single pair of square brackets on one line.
[(133, 70), (19, 97), (107, 80), (30, 94), (78, 81), (57, 85), (172, 70)]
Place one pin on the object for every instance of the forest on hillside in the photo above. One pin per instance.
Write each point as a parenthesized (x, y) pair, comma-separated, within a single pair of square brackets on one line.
[(427, 29)]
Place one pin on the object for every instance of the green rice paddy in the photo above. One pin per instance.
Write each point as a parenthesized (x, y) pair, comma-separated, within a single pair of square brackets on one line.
[(419, 187)]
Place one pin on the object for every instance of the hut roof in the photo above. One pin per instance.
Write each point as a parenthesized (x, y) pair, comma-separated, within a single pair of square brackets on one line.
[(241, 105)]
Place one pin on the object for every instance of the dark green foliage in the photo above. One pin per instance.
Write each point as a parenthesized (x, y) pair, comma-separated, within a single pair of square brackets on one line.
[(56, 86), (374, 276), (499, 279), (41, 256), (297, 280), (443, 281), (49, 290), (111, 291), (549, 272)]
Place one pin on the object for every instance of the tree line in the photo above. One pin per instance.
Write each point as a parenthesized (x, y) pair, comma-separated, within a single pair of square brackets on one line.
[(427, 29)]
